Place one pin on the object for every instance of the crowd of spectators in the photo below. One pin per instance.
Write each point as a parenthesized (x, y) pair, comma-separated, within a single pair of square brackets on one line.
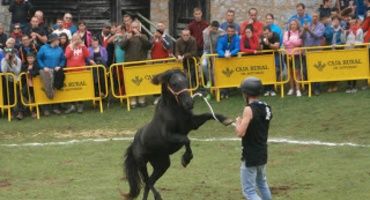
[(42, 49)]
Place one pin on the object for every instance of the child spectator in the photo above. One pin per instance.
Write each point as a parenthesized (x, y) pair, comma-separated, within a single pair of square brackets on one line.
[(98, 56), (32, 69)]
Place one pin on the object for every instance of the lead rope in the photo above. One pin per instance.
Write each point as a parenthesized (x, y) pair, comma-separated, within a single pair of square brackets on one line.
[(209, 106)]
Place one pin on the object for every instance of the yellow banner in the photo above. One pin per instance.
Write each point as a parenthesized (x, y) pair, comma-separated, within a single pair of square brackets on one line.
[(1, 91), (138, 78), (78, 86), (337, 65), (229, 72)]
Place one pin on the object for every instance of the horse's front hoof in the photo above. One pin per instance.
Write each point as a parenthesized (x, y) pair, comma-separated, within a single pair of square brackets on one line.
[(186, 158)]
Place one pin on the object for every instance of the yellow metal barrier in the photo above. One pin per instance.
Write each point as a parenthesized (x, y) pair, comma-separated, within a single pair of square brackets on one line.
[(328, 63), (229, 72), (78, 86), (5, 98), (133, 79)]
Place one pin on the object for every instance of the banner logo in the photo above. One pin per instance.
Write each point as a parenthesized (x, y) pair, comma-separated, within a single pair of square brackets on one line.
[(137, 80), (228, 72), (320, 66)]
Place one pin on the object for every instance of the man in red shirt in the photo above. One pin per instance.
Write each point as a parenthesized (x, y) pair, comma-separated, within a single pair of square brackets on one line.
[(257, 25), (196, 27), (160, 48)]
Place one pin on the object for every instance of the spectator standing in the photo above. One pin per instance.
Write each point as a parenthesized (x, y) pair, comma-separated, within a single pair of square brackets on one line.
[(271, 41), (313, 35), (228, 45), (3, 36), (31, 67), (76, 55), (20, 10), (136, 46), (366, 24), (28, 46), (64, 41), (292, 40), (98, 56), (84, 34), (354, 36), (67, 23), (253, 19), (210, 37), (16, 35), (302, 17), (160, 49), (51, 60), (270, 21), (42, 23), (186, 49), (249, 42), (196, 27), (325, 9), (127, 21), (230, 20), (60, 29), (165, 37), (104, 35), (12, 64), (37, 34)]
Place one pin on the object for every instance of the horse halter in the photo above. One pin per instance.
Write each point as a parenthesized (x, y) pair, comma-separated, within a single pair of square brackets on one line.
[(176, 94)]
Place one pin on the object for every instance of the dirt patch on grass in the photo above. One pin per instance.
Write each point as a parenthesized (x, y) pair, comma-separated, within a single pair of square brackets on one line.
[(5, 183), (280, 190), (93, 134)]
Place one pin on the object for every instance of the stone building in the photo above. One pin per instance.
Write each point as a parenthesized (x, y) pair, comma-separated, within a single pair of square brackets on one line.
[(174, 13)]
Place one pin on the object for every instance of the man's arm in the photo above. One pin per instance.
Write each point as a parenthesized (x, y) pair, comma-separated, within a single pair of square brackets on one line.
[(243, 123)]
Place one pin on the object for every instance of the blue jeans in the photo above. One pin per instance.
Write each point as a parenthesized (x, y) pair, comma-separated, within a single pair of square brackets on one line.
[(252, 178)]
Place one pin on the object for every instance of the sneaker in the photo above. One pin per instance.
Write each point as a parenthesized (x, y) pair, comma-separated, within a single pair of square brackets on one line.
[(156, 101), (57, 111), (71, 109), (80, 108), (133, 106), (33, 115), (290, 92), (142, 104), (208, 85), (316, 92), (348, 91), (272, 93), (364, 87), (298, 93), (354, 90), (46, 113), (267, 93), (19, 116)]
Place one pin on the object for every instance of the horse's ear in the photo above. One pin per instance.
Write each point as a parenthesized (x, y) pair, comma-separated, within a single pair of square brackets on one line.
[(162, 77), (157, 79)]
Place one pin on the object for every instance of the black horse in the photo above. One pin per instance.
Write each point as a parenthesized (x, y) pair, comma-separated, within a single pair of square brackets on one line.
[(164, 135)]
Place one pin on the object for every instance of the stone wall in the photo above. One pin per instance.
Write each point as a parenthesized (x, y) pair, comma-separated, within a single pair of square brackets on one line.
[(5, 17), (282, 9), (159, 11)]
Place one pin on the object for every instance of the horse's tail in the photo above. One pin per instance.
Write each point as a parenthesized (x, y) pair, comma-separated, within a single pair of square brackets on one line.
[(132, 174)]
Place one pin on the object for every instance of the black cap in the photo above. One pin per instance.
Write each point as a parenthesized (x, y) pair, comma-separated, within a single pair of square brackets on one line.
[(53, 37), (251, 86)]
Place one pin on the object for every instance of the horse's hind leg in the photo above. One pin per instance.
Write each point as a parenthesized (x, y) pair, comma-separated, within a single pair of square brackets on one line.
[(160, 166), (145, 176)]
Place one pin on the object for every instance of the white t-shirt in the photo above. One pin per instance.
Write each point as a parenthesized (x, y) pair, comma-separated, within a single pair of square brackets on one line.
[(66, 31)]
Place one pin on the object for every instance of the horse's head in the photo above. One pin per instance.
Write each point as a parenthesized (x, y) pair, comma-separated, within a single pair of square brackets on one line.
[(175, 86)]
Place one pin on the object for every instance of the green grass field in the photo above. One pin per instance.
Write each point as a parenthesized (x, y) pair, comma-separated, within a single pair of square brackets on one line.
[(93, 170)]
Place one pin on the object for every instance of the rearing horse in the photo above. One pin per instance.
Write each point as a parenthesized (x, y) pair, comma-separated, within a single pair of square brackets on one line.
[(164, 135)]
